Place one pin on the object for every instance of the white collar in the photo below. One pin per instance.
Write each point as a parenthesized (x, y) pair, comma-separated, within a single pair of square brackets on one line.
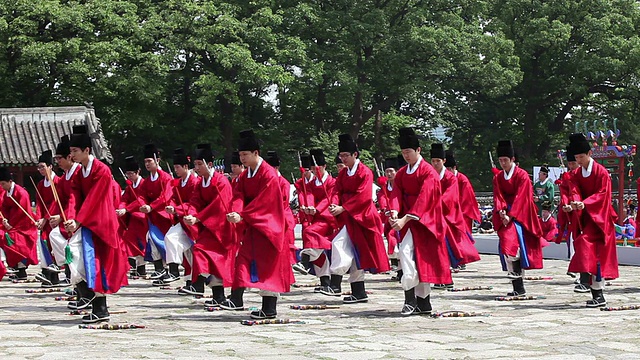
[(324, 178), (184, 182), (352, 171), (10, 192), (455, 172), (507, 176), (71, 171), (442, 172), (389, 187), (411, 170), (251, 174), (46, 182), (586, 172), (206, 182), (306, 181), (87, 171), (154, 178), (547, 219), (543, 182), (137, 183)]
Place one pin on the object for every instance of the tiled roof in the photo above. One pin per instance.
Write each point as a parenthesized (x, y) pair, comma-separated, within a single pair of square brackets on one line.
[(26, 132)]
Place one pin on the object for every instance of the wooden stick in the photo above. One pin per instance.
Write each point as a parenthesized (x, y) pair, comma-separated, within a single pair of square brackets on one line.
[(23, 210), (55, 195), (40, 196)]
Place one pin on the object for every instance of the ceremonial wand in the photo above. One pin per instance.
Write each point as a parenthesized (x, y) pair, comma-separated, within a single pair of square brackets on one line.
[(40, 196), (55, 194), (21, 208), (304, 185), (320, 178)]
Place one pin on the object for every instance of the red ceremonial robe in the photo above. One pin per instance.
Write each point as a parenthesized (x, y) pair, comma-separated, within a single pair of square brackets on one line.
[(69, 205), (383, 202), (567, 222), (44, 209), (595, 246), (361, 218), (419, 194), (21, 242), (317, 234), (3, 270), (93, 194), (459, 241), (157, 195), (549, 228), (290, 221), (523, 232), (468, 202), (216, 244), (135, 236), (263, 260)]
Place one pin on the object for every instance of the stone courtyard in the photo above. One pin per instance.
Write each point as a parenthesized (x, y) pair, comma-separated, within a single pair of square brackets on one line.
[(556, 325)]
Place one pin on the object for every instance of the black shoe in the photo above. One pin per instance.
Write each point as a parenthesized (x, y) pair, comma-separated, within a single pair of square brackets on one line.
[(21, 274), (192, 290), (142, 270), (165, 280), (65, 282), (11, 271), (43, 278), (234, 302), (334, 288), (268, 310), (598, 299), (158, 274), (358, 294), (410, 303), (132, 263), (301, 269), (81, 304), (218, 297), (424, 305), (325, 282), (518, 287), (443, 286), (100, 311), (582, 288), (186, 286), (54, 268), (398, 276)]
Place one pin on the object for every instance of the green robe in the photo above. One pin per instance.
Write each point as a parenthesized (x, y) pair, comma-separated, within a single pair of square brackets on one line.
[(544, 192)]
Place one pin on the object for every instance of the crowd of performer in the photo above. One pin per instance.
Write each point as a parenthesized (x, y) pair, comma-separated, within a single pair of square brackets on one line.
[(238, 232)]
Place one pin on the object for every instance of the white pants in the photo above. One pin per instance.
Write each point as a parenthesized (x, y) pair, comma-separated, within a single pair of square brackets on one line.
[(155, 253), (3, 257), (410, 277), (314, 254), (76, 267), (509, 260), (597, 285), (269, 293), (41, 258), (213, 281), (176, 243), (58, 244), (139, 260), (343, 257)]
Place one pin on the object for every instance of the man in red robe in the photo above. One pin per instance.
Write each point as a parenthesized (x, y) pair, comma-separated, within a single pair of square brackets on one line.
[(391, 167), (236, 168), (595, 246), (134, 236), (290, 222), (567, 222), (515, 218), (305, 200), (320, 226), (216, 238), (155, 195), (468, 201), (548, 223), (263, 259), (459, 242), (66, 207), (99, 264), (19, 233), (358, 246), (45, 201), (179, 239), (417, 212)]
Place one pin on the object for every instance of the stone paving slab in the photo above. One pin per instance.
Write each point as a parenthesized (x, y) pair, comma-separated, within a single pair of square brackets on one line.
[(34, 326)]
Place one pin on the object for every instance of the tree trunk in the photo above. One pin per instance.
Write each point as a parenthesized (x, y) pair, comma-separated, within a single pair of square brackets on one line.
[(227, 111)]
